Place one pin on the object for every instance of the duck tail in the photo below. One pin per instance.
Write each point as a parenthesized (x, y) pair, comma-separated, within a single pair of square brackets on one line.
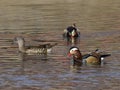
[(51, 45), (105, 55), (96, 50), (54, 44)]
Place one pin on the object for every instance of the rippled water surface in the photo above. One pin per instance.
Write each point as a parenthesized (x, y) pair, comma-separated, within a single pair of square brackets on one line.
[(43, 21)]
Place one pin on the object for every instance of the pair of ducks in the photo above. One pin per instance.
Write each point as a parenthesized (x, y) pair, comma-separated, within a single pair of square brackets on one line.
[(92, 58), (46, 48)]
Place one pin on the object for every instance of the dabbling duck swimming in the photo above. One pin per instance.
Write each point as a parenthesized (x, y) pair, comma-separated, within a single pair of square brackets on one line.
[(93, 58), (71, 31), (40, 49)]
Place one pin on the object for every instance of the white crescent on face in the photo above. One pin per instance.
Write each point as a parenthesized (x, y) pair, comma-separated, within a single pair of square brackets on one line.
[(73, 49)]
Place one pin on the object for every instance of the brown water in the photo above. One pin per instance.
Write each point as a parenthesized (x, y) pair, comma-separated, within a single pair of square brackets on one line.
[(44, 21)]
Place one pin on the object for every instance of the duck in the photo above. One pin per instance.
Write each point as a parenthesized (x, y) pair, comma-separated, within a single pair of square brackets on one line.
[(71, 31), (40, 49), (92, 58)]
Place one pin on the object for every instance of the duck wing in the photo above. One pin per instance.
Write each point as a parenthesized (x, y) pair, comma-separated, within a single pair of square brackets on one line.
[(85, 56), (47, 46)]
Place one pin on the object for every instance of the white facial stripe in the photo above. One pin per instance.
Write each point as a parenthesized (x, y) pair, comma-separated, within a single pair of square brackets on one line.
[(73, 49)]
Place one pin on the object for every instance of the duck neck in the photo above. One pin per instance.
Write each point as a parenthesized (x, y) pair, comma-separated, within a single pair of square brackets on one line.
[(74, 62), (78, 56), (21, 46), (73, 33)]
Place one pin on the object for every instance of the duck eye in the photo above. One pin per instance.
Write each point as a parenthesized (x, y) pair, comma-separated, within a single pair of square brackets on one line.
[(71, 50)]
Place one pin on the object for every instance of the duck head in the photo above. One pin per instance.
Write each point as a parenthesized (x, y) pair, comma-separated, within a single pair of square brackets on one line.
[(21, 43), (20, 40), (75, 52), (74, 32), (77, 57)]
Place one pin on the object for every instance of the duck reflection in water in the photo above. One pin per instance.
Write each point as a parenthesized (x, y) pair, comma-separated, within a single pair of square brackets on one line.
[(72, 40), (31, 62), (29, 54)]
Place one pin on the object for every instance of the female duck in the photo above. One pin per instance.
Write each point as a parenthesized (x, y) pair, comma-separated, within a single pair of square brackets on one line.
[(41, 49), (93, 58)]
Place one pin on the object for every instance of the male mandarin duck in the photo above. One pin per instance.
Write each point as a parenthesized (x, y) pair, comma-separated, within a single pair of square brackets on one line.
[(93, 58), (71, 31), (40, 49)]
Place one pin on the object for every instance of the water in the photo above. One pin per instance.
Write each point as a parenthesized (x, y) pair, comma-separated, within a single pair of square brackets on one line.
[(43, 22)]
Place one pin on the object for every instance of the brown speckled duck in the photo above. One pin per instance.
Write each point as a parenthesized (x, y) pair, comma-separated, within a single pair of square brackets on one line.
[(93, 58), (40, 49)]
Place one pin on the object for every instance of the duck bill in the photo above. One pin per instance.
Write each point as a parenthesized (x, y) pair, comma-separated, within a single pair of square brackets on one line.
[(69, 54), (72, 36)]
